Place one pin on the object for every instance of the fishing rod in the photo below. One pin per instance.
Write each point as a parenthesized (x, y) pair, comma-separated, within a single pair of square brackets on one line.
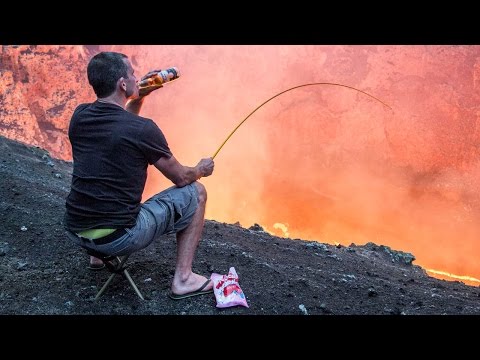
[(292, 88)]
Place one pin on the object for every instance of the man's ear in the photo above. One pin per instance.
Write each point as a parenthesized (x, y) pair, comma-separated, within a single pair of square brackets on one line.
[(123, 84)]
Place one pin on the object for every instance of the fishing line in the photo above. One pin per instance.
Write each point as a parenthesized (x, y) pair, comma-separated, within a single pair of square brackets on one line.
[(295, 87)]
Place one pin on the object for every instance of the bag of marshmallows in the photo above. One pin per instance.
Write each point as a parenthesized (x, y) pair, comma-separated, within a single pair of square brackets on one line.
[(227, 290)]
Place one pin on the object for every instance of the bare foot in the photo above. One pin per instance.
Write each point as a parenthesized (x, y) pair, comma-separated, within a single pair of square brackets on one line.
[(192, 283)]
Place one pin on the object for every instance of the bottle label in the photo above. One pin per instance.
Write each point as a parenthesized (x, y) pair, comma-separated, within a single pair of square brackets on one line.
[(164, 76)]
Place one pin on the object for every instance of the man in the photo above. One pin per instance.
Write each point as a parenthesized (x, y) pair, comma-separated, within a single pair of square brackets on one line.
[(112, 147)]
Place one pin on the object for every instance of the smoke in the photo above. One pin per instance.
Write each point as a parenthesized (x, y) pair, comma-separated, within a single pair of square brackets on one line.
[(333, 164)]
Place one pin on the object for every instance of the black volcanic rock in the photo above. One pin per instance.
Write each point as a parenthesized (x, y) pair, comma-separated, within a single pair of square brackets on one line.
[(42, 273)]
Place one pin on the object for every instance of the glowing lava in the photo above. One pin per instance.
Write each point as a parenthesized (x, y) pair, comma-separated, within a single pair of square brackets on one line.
[(447, 276)]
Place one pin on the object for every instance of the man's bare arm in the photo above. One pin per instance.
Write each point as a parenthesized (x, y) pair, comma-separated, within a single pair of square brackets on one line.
[(182, 175), (134, 105)]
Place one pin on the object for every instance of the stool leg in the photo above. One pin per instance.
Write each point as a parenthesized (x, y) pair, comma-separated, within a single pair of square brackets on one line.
[(127, 275), (105, 285), (121, 260)]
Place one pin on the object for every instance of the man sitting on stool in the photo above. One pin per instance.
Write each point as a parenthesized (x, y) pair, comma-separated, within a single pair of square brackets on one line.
[(112, 147)]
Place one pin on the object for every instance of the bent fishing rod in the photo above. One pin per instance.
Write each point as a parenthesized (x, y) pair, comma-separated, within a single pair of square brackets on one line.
[(292, 88)]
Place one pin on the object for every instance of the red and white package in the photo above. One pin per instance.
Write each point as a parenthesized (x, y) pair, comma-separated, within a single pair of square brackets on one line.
[(227, 290)]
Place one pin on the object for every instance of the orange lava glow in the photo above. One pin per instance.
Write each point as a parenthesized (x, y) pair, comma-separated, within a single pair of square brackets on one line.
[(447, 276), (328, 163)]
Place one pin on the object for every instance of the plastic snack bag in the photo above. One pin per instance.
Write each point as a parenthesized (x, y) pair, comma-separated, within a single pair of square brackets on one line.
[(227, 290)]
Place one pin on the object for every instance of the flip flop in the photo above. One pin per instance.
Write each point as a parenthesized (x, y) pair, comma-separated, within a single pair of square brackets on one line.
[(197, 292), (96, 267)]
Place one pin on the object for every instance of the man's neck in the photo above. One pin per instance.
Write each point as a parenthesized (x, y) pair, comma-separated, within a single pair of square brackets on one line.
[(114, 100)]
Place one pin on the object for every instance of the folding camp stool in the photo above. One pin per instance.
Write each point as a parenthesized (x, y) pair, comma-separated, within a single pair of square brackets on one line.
[(117, 266)]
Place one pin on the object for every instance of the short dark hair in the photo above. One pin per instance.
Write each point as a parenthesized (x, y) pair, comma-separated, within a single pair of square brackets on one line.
[(104, 70)]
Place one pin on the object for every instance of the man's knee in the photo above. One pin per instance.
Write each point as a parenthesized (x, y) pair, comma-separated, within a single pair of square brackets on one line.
[(202, 192)]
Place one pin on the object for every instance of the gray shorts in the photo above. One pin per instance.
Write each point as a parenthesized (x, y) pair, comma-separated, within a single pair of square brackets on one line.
[(167, 212)]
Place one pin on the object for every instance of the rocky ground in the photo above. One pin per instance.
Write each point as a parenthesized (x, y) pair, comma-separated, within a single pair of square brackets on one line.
[(42, 273)]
